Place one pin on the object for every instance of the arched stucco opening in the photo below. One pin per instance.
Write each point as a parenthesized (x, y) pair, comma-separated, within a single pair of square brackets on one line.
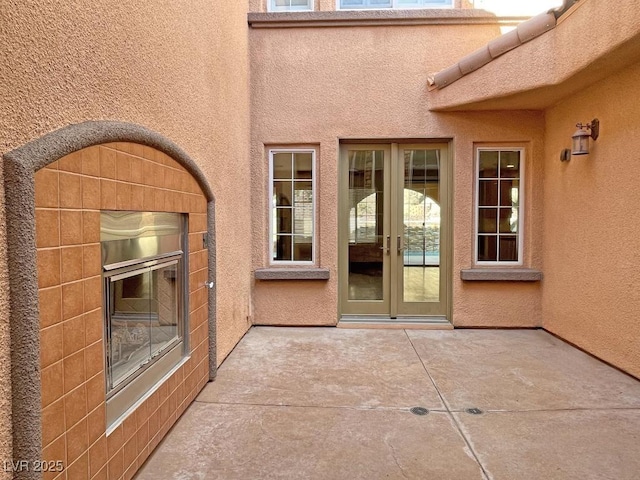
[(20, 167)]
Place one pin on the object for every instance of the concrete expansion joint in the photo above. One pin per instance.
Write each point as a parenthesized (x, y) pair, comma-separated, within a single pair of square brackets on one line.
[(559, 409), (323, 407), (471, 449)]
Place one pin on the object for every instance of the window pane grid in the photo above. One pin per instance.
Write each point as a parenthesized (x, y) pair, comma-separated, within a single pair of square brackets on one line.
[(396, 4), (292, 219), (288, 5), (498, 206)]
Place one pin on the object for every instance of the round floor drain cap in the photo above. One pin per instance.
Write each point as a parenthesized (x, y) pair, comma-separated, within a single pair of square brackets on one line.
[(474, 411), (419, 411)]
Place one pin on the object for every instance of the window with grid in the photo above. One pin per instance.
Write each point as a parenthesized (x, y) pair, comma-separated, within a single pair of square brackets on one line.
[(499, 206), (290, 5), (292, 217), (398, 4)]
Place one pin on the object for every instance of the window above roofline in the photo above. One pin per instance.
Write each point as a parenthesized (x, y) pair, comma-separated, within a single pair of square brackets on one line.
[(290, 5), (393, 4)]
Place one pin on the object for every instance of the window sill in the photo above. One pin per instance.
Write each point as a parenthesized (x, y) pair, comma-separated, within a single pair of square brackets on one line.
[(501, 275), (292, 274)]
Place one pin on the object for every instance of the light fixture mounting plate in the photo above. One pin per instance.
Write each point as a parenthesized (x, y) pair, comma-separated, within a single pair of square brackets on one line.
[(595, 128)]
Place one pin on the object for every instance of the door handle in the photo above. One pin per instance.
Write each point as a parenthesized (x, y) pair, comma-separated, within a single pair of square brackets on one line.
[(387, 246), (399, 245)]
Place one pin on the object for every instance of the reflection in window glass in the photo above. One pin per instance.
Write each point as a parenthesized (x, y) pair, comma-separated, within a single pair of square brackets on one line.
[(287, 5), (292, 206), (498, 205), (144, 318), (366, 196), (399, 4)]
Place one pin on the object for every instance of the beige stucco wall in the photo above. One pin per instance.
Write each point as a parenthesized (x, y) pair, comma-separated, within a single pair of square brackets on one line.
[(590, 294), (315, 86), (177, 68)]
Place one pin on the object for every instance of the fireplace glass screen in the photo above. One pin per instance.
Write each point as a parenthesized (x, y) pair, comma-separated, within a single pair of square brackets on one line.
[(144, 282)]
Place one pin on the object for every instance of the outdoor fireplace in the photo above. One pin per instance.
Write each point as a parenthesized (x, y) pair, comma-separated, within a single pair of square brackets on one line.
[(144, 289)]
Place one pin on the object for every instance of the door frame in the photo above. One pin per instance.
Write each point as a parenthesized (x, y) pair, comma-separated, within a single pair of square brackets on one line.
[(387, 310)]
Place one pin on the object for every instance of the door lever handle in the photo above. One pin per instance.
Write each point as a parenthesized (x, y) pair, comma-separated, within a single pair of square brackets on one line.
[(387, 246)]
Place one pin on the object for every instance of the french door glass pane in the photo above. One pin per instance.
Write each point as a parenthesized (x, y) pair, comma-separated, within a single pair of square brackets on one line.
[(421, 226), (366, 215)]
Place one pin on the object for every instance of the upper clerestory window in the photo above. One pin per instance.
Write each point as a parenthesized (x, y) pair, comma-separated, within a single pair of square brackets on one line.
[(396, 4), (290, 5)]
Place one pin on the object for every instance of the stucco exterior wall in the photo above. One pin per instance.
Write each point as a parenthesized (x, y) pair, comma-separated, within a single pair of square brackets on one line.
[(315, 86), (177, 68), (590, 294)]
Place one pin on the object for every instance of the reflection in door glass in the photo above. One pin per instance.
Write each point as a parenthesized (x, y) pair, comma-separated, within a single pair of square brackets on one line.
[(421, 226), (366, 213)]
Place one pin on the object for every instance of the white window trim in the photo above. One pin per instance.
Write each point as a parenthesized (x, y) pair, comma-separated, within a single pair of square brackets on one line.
[(394, 6), (273, 151), (271, 7), (521, 199)]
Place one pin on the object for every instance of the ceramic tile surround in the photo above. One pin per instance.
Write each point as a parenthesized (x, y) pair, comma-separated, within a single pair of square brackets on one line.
[(69, 196)]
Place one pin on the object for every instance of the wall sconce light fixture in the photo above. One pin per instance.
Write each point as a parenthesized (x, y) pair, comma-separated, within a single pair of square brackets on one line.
[(580, 139)]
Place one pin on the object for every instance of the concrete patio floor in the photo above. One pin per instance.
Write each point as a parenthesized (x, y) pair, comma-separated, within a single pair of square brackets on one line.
[(327, 403)]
